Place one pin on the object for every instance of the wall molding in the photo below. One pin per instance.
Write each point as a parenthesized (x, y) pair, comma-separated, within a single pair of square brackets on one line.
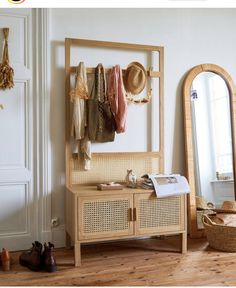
[(42, 123)]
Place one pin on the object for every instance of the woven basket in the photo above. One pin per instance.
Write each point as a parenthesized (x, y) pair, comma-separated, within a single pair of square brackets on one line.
[(220, 236)]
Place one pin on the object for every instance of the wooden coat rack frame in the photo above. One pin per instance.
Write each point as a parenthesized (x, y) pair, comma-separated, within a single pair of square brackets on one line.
[(69, 70)]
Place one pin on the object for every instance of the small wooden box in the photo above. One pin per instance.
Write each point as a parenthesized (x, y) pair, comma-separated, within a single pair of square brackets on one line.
[(110, 186)]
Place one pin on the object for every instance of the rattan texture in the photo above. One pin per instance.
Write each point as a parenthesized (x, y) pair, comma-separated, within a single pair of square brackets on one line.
[(160, 212), (104, 216), (109, 168), (220, 236)]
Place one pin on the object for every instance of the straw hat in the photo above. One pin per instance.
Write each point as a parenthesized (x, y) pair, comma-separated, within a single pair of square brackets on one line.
[(135, 78), (227, 207), (202, 204)]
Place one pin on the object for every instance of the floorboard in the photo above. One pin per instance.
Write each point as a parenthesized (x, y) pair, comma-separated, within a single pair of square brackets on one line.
[(148, 262)]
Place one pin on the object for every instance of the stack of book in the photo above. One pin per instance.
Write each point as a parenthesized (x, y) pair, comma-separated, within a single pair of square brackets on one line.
[(146, 183)]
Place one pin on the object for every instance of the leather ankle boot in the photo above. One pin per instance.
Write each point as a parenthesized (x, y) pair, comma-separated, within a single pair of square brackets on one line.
[(5, 259), (49, 261), (32, 258)]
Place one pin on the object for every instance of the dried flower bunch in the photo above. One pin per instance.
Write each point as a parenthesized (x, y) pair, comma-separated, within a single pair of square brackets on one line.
[(6, 71)]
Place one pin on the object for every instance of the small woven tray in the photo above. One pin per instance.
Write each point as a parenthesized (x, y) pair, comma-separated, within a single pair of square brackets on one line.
[(110, 186)]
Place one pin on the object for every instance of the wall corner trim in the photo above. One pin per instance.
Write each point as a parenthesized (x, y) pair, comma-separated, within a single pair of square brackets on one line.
[(42, 121)]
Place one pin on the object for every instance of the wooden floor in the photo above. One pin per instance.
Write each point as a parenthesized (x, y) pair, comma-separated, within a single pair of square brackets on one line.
[(131, 263)]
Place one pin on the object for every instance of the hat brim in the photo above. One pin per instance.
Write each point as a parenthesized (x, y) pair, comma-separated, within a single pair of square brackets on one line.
[(224, 211)]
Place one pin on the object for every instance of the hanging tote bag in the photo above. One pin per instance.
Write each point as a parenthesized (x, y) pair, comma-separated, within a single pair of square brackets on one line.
[(101, 122)]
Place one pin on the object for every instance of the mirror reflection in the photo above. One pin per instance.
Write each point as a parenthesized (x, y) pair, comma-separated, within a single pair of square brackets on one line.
[(212, 139)]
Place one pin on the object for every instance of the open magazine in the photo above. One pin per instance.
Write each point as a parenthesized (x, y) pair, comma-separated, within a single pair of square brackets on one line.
[(166, 185)]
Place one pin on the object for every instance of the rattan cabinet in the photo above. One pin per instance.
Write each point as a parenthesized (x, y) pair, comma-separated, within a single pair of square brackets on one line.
[(94, 216)]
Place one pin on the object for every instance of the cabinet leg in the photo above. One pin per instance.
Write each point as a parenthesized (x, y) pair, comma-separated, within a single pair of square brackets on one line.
[(184, 242), (68, 241), (77, 254)]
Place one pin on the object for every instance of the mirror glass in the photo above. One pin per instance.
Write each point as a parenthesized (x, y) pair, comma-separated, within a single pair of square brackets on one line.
[(212, 138)]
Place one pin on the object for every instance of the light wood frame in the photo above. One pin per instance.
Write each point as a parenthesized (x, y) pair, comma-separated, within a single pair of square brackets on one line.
[(69, 42), (192, 215)]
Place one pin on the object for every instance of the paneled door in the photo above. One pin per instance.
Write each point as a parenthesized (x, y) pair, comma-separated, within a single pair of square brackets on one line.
[(17, 200)]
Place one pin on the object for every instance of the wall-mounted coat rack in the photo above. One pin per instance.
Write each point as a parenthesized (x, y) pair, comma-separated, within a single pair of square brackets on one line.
[(91, 70), (158, 156)]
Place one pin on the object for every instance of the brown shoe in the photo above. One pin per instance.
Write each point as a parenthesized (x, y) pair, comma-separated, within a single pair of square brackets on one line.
[(5, 259), (32, 258), (49, 261)]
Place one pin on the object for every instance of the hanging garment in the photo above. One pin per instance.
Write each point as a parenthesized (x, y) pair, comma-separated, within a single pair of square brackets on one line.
[(117, 98), (79, 98), (101, 122)]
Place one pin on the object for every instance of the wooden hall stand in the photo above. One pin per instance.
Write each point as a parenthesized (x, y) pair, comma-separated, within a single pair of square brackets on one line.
[(92, 215)]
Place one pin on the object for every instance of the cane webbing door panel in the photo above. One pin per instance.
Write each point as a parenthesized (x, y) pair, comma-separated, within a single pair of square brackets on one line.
[(155, 215), (105, 216)]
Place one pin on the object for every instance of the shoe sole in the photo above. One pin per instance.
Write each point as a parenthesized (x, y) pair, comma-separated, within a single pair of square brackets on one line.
[(50, 268)]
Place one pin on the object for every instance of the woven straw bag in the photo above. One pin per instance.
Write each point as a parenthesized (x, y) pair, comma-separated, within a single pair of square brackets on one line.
[(220, 236)]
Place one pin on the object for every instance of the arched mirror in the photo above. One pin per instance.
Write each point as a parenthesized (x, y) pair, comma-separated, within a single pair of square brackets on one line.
[(210, 120)]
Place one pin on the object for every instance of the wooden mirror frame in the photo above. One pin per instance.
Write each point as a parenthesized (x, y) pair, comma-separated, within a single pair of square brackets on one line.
[(192, 215)]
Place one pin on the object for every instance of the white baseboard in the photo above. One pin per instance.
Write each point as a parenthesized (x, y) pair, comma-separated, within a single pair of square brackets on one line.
[(59, 236)]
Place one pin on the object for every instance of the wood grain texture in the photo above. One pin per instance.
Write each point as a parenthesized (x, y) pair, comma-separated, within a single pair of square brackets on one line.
[(194, 231), (132, 263)]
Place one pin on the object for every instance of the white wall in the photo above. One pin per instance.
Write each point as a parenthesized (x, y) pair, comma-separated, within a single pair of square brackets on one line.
[(189, 36)]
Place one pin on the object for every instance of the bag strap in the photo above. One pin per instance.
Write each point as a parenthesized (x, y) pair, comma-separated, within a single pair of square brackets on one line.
[(5, 56), (100, 84)]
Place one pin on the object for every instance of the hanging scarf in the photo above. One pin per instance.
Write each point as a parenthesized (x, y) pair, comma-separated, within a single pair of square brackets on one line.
[(117, 98), (79, 97)]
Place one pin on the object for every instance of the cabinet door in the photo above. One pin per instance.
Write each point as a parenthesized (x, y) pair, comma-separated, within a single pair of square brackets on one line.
[(105, 216), (159, 215)]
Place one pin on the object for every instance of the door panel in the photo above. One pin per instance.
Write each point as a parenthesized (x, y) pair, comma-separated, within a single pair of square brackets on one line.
[(161, 215), (13, 218), (13, 127), (17, 217), (105, 216)]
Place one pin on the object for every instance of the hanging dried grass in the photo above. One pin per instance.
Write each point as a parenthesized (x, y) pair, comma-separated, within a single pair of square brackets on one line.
[(6, 71)]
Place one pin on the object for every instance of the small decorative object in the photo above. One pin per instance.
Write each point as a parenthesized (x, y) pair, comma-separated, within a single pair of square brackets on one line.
[(6, 72), (131, 179), (110, 186), (194, 95)]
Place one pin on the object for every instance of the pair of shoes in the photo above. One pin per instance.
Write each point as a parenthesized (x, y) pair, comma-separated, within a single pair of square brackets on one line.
[(37, 259), (5, 260)]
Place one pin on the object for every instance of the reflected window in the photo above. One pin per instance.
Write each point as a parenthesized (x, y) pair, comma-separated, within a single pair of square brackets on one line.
[(221, 132), (212, 125)]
